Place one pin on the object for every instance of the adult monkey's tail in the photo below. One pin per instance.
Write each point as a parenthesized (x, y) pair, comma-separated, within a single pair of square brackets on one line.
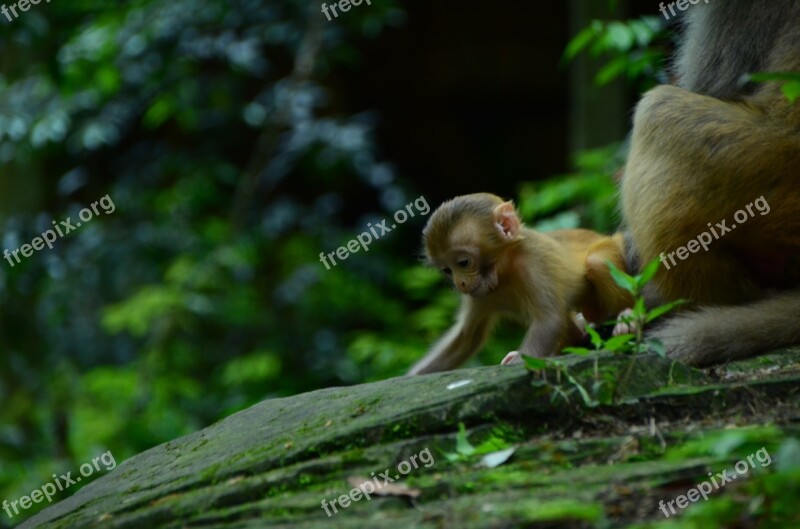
[(713, 335)]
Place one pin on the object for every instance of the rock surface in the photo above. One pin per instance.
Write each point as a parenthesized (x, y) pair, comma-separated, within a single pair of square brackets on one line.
[(593, 445)]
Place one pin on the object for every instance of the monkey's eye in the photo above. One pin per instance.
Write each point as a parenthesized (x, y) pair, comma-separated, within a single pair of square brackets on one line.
[(446, 271), (463, 263)]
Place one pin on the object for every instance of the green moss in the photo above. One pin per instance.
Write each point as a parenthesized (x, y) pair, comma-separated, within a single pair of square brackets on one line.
[(558, 510)]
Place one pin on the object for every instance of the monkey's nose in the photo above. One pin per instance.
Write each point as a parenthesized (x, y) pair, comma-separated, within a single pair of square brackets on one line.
[(462, 287)]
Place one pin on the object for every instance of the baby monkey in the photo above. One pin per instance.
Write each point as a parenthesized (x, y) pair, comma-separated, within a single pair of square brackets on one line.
[(504, 269)]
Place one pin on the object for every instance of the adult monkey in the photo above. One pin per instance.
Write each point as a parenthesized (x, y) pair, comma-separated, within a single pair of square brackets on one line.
[(706, 148)]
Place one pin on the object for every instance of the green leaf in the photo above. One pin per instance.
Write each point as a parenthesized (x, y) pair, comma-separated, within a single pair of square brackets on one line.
[(463, 446), (618, 342), (452, 457), (639, 310), (792, 91), (627, 282), (792, 79), (619, 37), (587, 399), (535, 364), (663, 309), (763, 77), (492, 444), (577, 350), (648, 273), (643, 32), (597, 341), (580, 42), (611, 71), (558, 392)]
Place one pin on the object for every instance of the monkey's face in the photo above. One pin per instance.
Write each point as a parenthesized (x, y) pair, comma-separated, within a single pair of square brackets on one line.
[(470, 274), (463, 239)]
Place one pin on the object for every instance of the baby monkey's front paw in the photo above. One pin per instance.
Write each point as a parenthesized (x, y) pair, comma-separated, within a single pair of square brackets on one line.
[(512, 358)]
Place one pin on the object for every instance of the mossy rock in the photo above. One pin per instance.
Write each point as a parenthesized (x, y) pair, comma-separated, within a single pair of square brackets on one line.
[(581, 458)]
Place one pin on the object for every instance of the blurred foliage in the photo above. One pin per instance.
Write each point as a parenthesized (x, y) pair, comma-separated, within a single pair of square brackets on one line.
[(766, 499), (586, 197), (210, 125), (213, 126), (633, 48)]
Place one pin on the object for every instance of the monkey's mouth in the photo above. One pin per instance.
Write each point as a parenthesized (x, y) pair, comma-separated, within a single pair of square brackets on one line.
[(481, 291)]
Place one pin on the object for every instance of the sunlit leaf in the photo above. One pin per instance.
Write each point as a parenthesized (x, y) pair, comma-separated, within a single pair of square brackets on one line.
[(616, 343), (648, 273), (597, 341), (622, 279), (535, 364), (663, 309)]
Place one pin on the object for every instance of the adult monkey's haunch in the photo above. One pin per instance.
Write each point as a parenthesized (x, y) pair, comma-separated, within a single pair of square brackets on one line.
[(700, 151)]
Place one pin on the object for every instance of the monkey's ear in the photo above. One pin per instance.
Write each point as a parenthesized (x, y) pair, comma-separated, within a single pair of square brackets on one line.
[(506, 220)]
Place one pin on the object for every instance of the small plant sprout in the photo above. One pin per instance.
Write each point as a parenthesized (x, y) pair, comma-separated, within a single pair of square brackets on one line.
[(637, 318)]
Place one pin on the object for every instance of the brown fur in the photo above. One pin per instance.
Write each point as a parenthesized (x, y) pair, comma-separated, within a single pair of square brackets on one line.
[(506, 270), (706, 149)]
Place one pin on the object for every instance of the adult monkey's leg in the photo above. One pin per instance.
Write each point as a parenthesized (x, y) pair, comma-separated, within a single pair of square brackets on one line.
[(697, 159)]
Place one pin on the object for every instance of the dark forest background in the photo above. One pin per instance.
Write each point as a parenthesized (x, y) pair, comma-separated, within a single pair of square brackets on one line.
[(238, 140)]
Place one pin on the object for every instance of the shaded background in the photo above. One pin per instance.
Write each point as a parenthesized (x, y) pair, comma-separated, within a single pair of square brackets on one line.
[(237, 141)]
